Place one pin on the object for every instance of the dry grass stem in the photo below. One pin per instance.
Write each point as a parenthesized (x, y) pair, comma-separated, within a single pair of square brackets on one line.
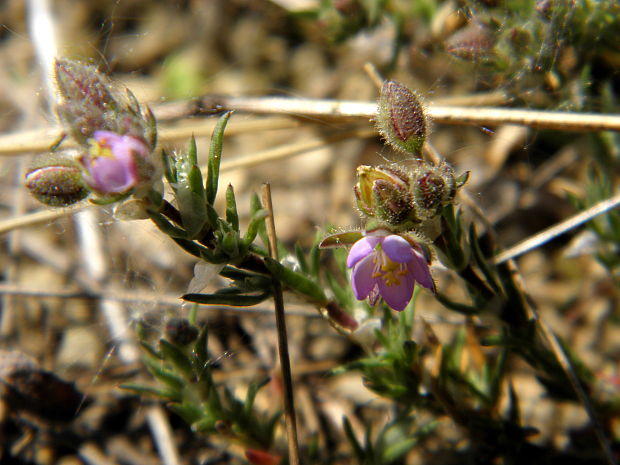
[(285, 363), (554, 231), (40, 140)]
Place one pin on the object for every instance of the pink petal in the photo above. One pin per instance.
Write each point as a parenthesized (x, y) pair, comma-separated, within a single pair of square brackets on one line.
[(397, 296), (112, 176), (419, 269), (362, 281), (397, 248), (361, 249)]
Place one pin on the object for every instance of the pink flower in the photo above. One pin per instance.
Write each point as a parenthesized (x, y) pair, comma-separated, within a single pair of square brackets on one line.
[(388, 266), (113, 162)]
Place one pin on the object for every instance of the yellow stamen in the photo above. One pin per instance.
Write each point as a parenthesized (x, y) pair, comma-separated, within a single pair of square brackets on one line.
[(388, 270)]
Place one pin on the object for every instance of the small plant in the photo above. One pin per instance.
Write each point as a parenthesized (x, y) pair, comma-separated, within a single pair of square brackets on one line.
[(411, 219)]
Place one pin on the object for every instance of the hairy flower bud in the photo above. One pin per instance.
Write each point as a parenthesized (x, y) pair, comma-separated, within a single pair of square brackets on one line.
[(89, 103), (57, 183), (179, 331), (383, 193), (401, 118), (474, 42), (433, 187)]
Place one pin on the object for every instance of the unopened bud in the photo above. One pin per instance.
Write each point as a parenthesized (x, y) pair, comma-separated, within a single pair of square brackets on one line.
[(433, 187), (89, 102), (180, 332), (401, 118), (260, 457), (383, 193), (58, 184), (473, 42)]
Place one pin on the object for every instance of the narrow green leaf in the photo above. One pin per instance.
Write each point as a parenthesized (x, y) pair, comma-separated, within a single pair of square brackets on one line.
[(256, 223), (482, 262), (195, 249), (238, 300), (189, 412), (141, 390), (150, 350), (177, 358), (192, 152), (457, 307), (301, 259), (215, 156), (164, 375), (170, 171), (231, 208), (251, 395), (315, 261), (200, 350), (296, 281), (357, 448), (166, 226)]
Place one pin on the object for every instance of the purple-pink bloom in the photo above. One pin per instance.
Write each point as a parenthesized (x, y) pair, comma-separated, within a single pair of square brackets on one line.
[(112, 162), (388, 266)]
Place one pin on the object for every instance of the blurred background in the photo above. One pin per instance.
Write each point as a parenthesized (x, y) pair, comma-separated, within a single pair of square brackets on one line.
[(71, 287)]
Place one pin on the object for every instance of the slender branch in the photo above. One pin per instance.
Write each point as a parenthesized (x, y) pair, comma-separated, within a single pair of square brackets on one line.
[(554, 231), (285, 364), (440, 114)]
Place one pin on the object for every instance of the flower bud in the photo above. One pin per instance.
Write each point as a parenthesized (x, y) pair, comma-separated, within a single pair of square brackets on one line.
[(90, 103), (57, 184), (180, 332), (116, 164), (401, 118), (433, 187), (474, 42), (383, 193)]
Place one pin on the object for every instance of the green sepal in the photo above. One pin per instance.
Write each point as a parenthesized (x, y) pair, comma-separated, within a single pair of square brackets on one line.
[(296, 281), (108, 200), (231, 208), (215, 157), (141, 390), (235, 300), (343, 239), (177, 358)]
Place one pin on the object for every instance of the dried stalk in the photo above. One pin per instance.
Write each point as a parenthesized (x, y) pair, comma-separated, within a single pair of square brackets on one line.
[(285, 363)]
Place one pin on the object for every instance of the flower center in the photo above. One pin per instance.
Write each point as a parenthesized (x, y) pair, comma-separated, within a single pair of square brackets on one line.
[(388, 270), (100, 149)]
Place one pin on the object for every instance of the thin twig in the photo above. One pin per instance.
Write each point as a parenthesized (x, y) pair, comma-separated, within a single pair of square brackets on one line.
[(440, 114), (40, 140), (554, 231), (285, 364), (289, 150)]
